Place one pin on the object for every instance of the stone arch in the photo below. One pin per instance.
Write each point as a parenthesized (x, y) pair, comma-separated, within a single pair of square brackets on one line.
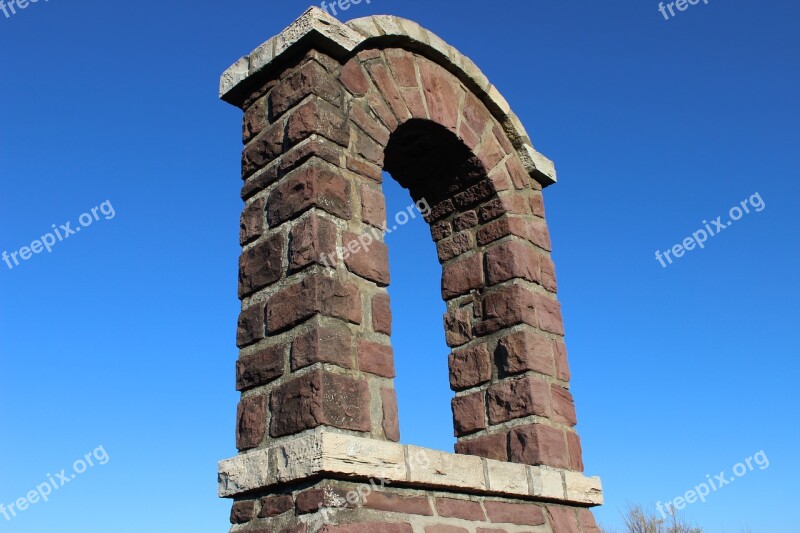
[(328, 106)]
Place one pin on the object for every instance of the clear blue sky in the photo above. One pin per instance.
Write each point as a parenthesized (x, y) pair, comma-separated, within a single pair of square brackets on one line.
[(123, 336)]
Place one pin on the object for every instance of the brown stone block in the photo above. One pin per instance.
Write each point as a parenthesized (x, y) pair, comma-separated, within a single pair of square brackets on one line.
[(506, 307), (260, 368), (493, 446), (362, 117), (462, 276), (525, 350), (394, 503), (519, 176), (391, 421), (369, 527), (402, 64), (366, 257), (311, 185), (463, 509), (327, 344), (470, 367), (309, 78), (455, 245), (373, 206), (243, 512), (312, 241), (320, 117), (524, 514), (275, 505), (263, 149), (376, 358), (251, 425), (314, 294), (354, 78), (512, 259), (381, 314), (385, 84), (311, 500), (476, 194), (518, 398), (251, 326), (575, 451), (255, 120), (469, 414), (563, 406), (458, 327), (548, 314), (538, 444), (442, 93), (563, 519), (320, 399), (261, 265), (562, 366), (490, 152), (502, 205), (475, 114), (251, 225)]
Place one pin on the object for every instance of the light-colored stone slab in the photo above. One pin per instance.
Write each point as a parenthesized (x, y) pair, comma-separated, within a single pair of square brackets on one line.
[(346, 455), (244, 472), (507, 478), (583, 489), (547, 483), (441, 469)]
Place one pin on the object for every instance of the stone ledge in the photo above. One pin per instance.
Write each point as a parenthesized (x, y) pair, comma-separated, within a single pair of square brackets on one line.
[(340, 456), (381, 30)]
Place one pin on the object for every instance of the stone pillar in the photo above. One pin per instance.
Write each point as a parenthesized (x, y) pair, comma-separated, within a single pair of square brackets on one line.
[(328, 106)]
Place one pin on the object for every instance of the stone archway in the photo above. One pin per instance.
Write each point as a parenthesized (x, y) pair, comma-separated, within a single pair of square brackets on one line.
[(327, 107)]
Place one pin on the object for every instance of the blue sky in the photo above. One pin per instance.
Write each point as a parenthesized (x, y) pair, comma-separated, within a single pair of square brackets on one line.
[(123, 335)]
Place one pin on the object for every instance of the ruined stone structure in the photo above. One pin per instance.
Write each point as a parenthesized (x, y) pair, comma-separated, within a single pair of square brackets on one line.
[(327, 106)]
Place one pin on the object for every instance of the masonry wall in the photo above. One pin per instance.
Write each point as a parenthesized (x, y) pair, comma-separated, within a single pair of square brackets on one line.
[(315, 326)]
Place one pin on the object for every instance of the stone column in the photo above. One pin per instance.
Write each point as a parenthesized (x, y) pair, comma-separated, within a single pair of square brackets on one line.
[(327, 107)]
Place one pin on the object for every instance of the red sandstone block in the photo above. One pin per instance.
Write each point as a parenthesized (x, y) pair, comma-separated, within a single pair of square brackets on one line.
[(525, 514), (251, 225), (441, 230), (538, 234), (386, 86), (297, 528), (575, 451), (468, 136), (251, 326), (312, 241), (373, 206), (275, 505), (242, 512), (316, 116), (442, 93), (354, 78), (462, 276), (563, 519), (368, 527), (386, 501), (364, 146), (470, 367), (502, 228), (512, 259), (403, 68), (311, 185), (475, 194), (548, 314), (381, 109), (261, 265), (518, 398), (548, 274), (586, 521), (455, 245), (263, 149), (255, 119), (366, 257), (320, 399), (259, 181), (412, 96), (458, 327), (310, 501), (251, 422), (506, 307), (363, 117), (309, 78), (519, 176), (562, 366), (475, 114), (494, 446), (441, 210), (538, 444), (490, 152), (563, 406), (466, 220), (469, 414), (464, 509), (376, 358), (391, 422), (314, 146), (537, 204), (525, 350), (314, 294), (364, 168), (381, 314), (445, 529), (503, 205), (328, 344), (501, 136), (260, 368)]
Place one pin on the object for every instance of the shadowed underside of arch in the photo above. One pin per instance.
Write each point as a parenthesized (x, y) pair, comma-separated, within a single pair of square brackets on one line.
[(328, 106)]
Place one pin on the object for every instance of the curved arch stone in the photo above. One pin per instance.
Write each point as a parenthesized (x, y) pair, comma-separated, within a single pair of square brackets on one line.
[(327, 107)]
